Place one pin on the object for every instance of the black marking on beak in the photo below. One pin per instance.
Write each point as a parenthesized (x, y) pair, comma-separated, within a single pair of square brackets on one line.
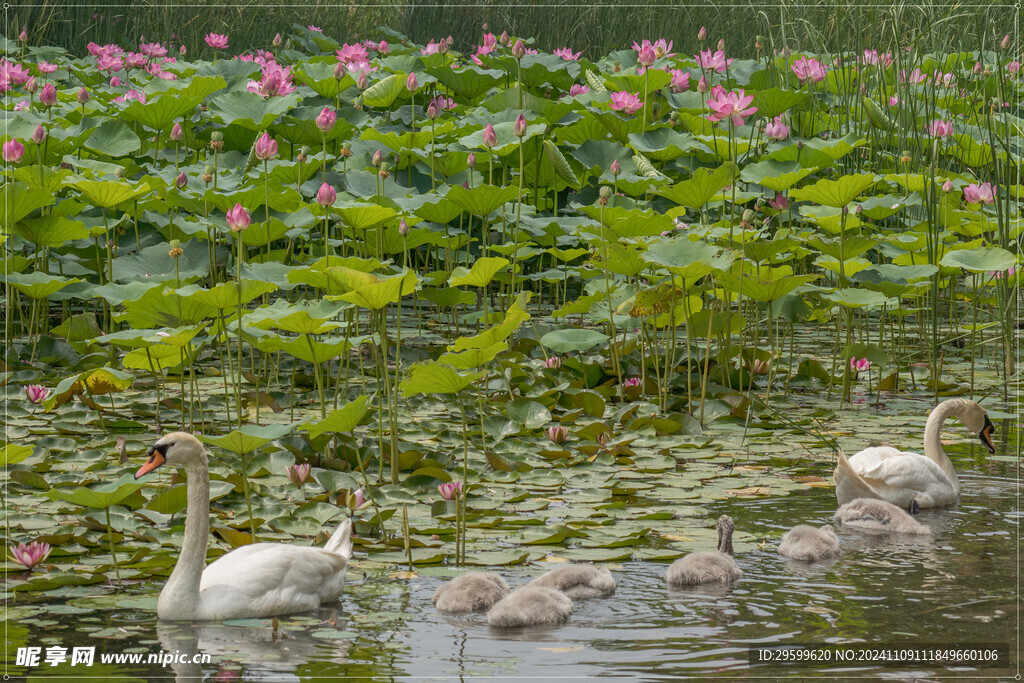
[(986, 435)]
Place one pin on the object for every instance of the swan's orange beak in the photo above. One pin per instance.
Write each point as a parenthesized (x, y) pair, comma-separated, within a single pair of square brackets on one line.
[(156, 458), (986, 435)]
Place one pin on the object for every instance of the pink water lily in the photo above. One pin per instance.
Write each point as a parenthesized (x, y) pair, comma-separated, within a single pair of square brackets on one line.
[(30, 555), (238, 219), (356, 500), (625, 102), (298, 473), (36, 393), (450, 490), (715, 61), (730, 105), (552, 362), (631, 382), (557, 434), (809, 70), (217, 41), (984, 193)]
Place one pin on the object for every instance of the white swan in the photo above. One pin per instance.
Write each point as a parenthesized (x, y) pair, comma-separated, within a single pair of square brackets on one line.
[(806, 543), (901, 477), (707, 566), (259, 580), (471, 592), (871, 514), (530, 605), (578, 581)]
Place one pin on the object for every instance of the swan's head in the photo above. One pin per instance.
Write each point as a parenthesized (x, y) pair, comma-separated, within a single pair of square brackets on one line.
[(178, 449), (725, 529), (976, 420)]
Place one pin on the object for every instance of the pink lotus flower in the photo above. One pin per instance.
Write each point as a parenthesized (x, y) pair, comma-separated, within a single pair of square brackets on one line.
[(1013, 68), (39, 134), (519, 127), (46, 67), (30, 555), (442, 103), (137, 95), (730, 105), (433, 48), (153, 49), (450, 490), (680, 80), (217, 41), (326, 195), (914, 76), (875, 58), (135, 60), (298, 473), (490, 137), (945, 80), (631, 382), (776, 129), (1000, 274), (577, 89), (36, 393), (780, 202), (21, 106), (980, 194), (809, 70), (276, 81), (552, 362), (940, 129), (181, 181), (714, 61), (238, 219), (13, 151), (115, 82), (893, 101), (110, 63), (326, 119), (645, 55), (411, 84), (859, 365), (490, 41), (266, 147), (558, 434), (760, 367), (567, 54), (626, 102), (352, 53), (315, 29)]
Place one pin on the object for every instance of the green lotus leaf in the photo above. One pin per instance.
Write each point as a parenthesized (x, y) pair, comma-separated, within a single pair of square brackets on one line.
[(363, 216), (473, 358), (38, 285), (431, 377), (483, 272), (835, 193), (979, 259), (340, 421), (775, 175), (377, 295), (50, 230), (564, 341), (113, 138), (250, 110), (384, 92), (698, 190), (468, 82), (109, 193), (320, 77), (248, 438), (225, 296), (19, 200)]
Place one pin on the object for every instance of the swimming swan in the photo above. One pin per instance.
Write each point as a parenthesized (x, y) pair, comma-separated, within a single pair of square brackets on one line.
[(806, 543), (901, 477), (471, 592), (530, 605), (707, 566), (578, 581), (259, 580), (872, 514)]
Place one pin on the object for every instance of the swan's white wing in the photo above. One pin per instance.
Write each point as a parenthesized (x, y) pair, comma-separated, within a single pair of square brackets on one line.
[(900, 477), (267, 579)]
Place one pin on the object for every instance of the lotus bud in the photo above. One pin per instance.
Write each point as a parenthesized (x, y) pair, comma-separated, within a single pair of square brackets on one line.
[(519, 127), (403, 228), (449, 40), (176, 133), (1005, 42), (484, 27), (39, 134), (702, 34), (298, 473), (383, 47), (432, 111), (552, 362), (615, 168), (947, 186), (31, 86), (383, 173), (471, 160), (181, 181), (411, 84), (83, 95), (13, 151), (277, 40), (504, 39), (362, 83), (175, 250), (702, 85), (326, 195), (339, 71), (978, 68), (450, 490), (490, 137), (326, 119), (518, 50), (303, 154), (238, 219), (181, 50), (846, 210), (378, 158), (23, 36)]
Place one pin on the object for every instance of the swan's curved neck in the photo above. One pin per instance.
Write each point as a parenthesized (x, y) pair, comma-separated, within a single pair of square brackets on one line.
[(933, 439), (725, 541), (182, 588)]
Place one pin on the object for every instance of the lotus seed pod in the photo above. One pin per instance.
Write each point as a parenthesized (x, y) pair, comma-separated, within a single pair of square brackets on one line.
[(606, 192), (748, 215)]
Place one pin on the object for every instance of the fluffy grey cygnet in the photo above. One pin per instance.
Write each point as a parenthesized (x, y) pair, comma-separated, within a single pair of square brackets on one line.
[(871, 514), (471, 592), (707, 566), (578, 581), (530, 605), (806, 543)]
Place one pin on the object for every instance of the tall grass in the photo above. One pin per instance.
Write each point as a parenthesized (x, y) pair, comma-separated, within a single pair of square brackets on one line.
[(593, 28)]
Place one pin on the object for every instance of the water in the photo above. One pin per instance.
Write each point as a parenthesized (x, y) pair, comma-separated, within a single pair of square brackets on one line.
[(955, 586)]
